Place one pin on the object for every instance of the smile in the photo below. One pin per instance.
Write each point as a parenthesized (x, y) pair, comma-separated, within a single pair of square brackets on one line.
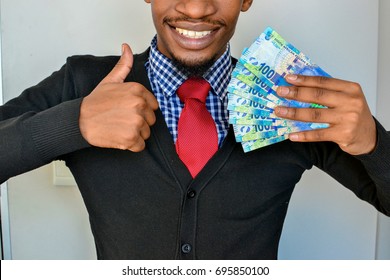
[(193, 34)]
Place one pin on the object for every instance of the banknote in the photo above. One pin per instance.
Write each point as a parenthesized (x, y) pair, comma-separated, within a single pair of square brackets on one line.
[(250, 119), (253, 132), (243, 105), (242, 74), (261, 84), (249, 146), (252, 96), (238, 118), (277, 59), (244, 111), (271, 57), (240, 88)]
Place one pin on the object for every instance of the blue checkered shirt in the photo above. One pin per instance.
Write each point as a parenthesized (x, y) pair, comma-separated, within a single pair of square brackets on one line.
[(165, 79)]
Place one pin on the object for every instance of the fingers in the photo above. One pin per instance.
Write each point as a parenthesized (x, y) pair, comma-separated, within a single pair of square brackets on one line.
[(122, 69), (340, 97), (143, 108), (142, 100), (311, 95), (342, 137), (320, 90), (140, 115), (316, 115), (309, 136), (351, 125), (319, 135), (326, 83), (138, 137), (151, 100), (130, 135)]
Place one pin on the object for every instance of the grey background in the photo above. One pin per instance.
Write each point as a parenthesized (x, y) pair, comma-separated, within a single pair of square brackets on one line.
[(348, 38)]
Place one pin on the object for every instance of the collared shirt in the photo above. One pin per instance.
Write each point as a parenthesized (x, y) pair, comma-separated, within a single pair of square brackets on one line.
[(165, 79)]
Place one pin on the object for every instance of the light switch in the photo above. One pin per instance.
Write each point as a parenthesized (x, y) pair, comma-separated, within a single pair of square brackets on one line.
[(62, 175)]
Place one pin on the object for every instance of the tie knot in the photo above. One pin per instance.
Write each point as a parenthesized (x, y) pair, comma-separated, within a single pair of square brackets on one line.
[(197, 88)]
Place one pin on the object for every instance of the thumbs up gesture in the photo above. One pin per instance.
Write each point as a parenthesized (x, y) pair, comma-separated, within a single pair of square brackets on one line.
[(117, 114)]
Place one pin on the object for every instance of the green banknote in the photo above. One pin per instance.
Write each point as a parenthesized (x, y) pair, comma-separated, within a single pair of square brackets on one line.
[(252, 91), (254, 132), (243, 75), (240, 104), (249, 146), (250, 119), (237, 87), (271, 58), (247, 112)]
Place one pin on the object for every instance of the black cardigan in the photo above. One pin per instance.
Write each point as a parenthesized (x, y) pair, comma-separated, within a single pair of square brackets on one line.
[(146, 205)]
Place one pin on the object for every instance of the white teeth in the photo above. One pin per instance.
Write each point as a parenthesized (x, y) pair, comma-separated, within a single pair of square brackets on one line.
[(193, 34)]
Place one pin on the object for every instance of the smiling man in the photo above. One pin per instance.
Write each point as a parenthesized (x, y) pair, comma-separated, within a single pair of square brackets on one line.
[(150, 190), (195, 33)]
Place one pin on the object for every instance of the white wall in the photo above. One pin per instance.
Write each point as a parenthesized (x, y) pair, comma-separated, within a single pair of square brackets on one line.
[(325, 221), (383, 112)]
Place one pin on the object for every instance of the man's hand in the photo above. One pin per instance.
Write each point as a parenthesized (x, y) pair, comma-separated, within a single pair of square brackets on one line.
[(118, 114), (352, 126)]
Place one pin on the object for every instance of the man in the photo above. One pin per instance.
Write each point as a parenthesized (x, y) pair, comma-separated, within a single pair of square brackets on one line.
[(117, 131)]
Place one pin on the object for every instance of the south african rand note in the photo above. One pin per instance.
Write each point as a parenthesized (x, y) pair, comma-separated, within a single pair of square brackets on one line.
[(249, 146), (240, 88), (254, 132), (245, 112), (242, 74), (243, 105), (262, 67), (261, 84), (271, 57), (238, 118), (250, 119)]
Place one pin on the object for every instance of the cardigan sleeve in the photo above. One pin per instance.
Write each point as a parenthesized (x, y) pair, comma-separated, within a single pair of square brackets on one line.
[(377, 165), (40, 125), (368, 176)]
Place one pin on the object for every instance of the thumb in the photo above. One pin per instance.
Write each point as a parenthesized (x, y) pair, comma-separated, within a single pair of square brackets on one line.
[(122, 69)]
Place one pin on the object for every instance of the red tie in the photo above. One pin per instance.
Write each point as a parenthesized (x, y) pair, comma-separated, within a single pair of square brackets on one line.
[(197, 139)]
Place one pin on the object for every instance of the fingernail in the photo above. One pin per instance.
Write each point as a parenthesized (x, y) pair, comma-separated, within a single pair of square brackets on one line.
[(123, 48), (281, 111), (283, 91), (292, 77), (293, 137)]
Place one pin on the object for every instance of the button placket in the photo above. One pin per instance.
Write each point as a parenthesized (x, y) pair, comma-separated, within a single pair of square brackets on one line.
[(188, 226)]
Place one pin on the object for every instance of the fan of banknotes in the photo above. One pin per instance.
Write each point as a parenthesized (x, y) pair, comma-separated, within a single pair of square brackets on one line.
[(252, 91)]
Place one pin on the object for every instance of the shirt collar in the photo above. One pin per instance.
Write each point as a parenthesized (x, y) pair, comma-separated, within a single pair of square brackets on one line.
[(169, 77)]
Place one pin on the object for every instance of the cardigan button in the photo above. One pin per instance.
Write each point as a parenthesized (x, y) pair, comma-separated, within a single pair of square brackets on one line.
[(191, 194), (186, 248)]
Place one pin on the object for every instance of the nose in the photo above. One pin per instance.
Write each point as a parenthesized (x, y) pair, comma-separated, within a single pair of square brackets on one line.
[(196, 9)]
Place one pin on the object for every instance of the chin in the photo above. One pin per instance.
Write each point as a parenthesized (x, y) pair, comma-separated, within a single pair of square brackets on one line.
[(193, 67)]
